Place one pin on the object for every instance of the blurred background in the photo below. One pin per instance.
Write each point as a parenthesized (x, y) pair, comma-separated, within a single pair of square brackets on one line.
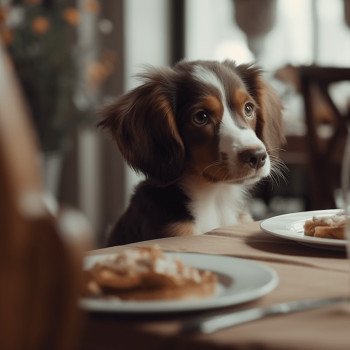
[(73, 57)]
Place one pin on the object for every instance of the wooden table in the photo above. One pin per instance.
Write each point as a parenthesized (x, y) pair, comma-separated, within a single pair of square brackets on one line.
[(304, 272)]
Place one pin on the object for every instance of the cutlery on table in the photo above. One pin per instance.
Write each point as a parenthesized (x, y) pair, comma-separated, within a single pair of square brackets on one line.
[(213, 324)]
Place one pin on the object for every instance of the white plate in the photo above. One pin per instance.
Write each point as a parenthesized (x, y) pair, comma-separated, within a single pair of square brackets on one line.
[(239, 280), (291, 226)]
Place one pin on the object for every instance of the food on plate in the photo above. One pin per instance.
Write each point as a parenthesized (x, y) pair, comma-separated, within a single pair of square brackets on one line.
[(326, 226), (146, 273)]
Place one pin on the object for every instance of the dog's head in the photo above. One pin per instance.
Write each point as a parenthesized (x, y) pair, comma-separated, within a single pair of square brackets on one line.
[(216, 120)]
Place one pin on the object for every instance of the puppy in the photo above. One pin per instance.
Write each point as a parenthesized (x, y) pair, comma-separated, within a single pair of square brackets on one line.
[(203, 133)]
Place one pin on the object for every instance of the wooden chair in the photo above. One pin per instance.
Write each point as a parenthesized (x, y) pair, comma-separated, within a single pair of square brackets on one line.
[(40, 252), (324, 153)]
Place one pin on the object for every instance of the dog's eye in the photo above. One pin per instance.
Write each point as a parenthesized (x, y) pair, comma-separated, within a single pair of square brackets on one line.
[(201, 118), (249, 110)]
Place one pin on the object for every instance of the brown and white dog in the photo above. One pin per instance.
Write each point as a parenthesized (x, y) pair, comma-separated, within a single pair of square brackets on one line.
[(203, 133)]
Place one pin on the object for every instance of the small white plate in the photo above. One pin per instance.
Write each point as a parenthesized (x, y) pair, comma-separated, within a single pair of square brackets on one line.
[(239, 281), (291, 226)]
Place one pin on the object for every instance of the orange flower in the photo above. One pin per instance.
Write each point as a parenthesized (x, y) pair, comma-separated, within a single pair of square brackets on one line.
[(6, 36), (40, 25), (71, 15), (3, 13), (92, 6), (96, 74), (109, 59)]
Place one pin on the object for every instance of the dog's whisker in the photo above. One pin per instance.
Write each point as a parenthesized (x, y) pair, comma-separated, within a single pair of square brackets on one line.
[(275, 149), (217, 166), (227, 176), (217, 172), (280, 168), (278, 172), (273, 180), (212, 165)]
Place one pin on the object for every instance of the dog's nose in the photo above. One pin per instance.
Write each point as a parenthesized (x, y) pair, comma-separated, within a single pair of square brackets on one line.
[(255, 157)]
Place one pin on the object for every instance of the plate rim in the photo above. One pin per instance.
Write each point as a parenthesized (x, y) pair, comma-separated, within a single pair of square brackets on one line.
[(190, 305), (304, 215)]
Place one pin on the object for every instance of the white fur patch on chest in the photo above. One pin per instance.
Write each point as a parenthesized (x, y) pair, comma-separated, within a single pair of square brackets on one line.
[(216, 205)]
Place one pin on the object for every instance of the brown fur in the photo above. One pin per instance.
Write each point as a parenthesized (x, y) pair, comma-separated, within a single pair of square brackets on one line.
[(181, 229), (155, 132)]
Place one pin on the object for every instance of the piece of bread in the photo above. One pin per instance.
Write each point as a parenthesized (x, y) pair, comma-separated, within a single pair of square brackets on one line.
[(326, 226), (147, 274)]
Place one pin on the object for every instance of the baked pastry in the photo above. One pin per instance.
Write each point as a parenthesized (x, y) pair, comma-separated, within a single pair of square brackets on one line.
[(326, 226), (147, 274)]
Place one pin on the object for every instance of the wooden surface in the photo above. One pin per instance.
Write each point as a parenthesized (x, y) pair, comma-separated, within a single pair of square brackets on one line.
[(304, 272)]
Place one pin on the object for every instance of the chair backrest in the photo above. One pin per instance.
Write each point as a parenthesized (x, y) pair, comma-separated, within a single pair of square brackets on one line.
[(325, 153), (40, 262)]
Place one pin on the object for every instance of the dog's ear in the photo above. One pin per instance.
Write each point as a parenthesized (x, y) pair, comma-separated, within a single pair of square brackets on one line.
[(269, 118), (143, 124)]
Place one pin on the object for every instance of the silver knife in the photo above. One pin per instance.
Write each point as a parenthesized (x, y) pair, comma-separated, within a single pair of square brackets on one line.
[(212, 324)]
